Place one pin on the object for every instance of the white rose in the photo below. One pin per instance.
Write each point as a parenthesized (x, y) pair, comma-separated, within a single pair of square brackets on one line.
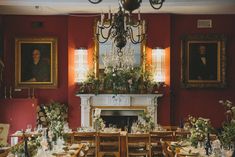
[(221, 101)]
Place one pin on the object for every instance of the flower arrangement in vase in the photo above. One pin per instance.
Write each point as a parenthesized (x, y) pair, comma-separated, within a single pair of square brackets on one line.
[(199, 129), (227, 135), (56, 114)]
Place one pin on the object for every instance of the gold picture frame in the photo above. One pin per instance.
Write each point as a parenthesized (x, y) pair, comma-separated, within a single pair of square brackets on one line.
[(203, 61), (36, 63)]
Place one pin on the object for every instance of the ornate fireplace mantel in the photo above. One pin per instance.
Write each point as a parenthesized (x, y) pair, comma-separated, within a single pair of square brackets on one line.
[(108, 101)]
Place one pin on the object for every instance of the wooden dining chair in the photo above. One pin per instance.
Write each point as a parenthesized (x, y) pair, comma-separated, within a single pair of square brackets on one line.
[(138, 145), (68, 137), (167, 152), (169, 127), (182, 134), (155, 137), (108, 144), (89, 139)]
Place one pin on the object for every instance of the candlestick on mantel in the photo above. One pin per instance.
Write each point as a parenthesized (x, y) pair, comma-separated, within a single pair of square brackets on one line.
[(29, 94), (5, 92), (10, 92)]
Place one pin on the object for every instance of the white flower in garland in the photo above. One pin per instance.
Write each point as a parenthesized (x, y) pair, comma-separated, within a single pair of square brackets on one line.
[(97, 113), (146, 122), (97, 120)]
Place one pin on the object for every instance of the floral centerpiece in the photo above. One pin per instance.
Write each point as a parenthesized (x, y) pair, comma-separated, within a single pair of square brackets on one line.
[(227, 136), (56, 117), (199, 128), (98, 122)]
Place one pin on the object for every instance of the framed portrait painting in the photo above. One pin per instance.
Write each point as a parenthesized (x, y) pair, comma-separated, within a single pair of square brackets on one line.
[(203, 61), (36, 62)]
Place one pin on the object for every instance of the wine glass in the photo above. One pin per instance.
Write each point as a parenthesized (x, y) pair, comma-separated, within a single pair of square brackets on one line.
[(29, 128)]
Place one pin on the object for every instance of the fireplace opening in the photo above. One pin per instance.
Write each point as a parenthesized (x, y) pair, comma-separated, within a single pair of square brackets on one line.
[(122, 119)]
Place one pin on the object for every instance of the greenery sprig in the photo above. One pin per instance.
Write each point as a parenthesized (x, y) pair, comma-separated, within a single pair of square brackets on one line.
[(33, 145)]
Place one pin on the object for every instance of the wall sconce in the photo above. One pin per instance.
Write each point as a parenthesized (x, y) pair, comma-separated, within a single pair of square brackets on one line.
[(80, 65), (158, 63)]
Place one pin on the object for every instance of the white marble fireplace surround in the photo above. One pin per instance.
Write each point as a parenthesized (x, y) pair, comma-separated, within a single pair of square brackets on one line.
[(116, 102)]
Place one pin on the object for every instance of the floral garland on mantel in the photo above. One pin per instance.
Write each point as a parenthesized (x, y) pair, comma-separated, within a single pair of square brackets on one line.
[(125, 81)]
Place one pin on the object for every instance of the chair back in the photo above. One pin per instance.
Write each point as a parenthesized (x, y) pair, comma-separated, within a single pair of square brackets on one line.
[(108, 144), (165, 149), (89, 139), (4, 130), (169, 127), (182, 134), (138, 145), (164, 135), (155, 137)]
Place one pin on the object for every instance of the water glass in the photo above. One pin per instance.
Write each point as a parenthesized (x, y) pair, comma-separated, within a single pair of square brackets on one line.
[(29, 128)]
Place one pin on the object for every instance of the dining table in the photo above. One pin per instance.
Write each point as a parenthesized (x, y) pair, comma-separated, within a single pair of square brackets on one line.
[(184, 149)]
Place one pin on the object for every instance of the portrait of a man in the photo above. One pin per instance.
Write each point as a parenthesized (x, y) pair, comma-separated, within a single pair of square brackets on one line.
[(35, 62), (203, 60)]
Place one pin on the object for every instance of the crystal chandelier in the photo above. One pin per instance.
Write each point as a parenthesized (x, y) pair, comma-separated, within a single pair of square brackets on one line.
[(112, 61), (134, 4), (121, 25)]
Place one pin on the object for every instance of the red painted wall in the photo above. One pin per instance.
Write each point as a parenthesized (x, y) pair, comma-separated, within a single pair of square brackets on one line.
[(201, 102), (80, 34), (18, 113), (164, 30)]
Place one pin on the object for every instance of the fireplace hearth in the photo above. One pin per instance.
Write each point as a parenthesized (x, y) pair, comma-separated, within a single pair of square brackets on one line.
[(122, 119)]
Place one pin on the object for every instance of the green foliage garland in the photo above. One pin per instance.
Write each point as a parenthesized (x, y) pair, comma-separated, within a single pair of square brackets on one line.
[(124, 81)]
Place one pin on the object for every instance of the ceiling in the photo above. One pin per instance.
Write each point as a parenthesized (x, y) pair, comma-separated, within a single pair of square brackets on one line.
[(66, 7)]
